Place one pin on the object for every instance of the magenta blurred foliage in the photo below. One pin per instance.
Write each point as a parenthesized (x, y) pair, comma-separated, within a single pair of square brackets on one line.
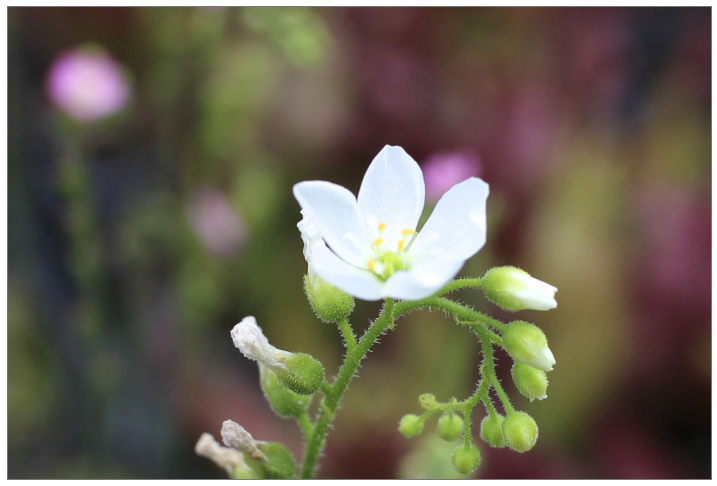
[(87, 84), (442, 170), (135, 245), (215, 222)]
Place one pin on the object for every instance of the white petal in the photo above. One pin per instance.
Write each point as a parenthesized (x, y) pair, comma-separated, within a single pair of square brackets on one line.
[(392, 192), (457, 226), (352, 280), (424, 278), (332, 209), (252, 343)]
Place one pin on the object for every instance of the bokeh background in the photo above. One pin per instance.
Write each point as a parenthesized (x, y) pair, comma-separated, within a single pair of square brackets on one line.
[(152, 153)]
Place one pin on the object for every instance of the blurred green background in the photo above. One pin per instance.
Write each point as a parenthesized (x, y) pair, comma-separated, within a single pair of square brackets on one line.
[(137, 240)]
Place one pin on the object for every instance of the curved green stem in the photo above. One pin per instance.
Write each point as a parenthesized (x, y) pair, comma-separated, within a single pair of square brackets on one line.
[(463, 313), (329, 404), (305, 423), (348, 333), (460, 312), (461, 283), (484, 335)]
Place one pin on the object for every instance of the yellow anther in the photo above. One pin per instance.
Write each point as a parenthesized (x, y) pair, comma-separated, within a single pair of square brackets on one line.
[(377, 241), (381, 226), (401, 244), (407, 231), (279, 358), (371, 265)]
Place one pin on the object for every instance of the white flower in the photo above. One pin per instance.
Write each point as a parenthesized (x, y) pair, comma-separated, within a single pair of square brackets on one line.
[(369, 246), (247, 336)]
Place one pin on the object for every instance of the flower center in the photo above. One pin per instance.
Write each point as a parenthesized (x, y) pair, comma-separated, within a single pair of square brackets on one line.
[(385, 262)]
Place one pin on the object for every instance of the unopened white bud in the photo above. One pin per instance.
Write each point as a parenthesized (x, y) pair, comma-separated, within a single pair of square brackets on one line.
[(514, 289)]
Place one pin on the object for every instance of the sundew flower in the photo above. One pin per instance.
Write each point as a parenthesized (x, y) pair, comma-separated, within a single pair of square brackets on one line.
[(87, 84), (369, 246)]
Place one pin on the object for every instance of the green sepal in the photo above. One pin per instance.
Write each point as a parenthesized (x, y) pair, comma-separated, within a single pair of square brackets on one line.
[(491, 430), (328, 303), (450, 426), (466, 459), (283, 401), (304, 375), (520, 431), (410, 425), (277, 464), (526, 343), (531, 382)]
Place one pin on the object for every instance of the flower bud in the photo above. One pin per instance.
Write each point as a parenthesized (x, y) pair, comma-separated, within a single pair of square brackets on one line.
[(450, 426), (531, 382), (466, 459), (527, 343), (514, 289), (268, 460), (410, 425), (284, 402), (303, 374), (520, 431), (297, 371), (328, 303), (491, 430)]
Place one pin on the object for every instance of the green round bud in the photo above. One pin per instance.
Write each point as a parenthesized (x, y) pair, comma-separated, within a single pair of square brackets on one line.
[(450, 426), (491, 430), (520, 431), (329, 303), (410, 425), (531, 382), (304, 375), (283, 401), (279, 463), (526, 343), (466, 459)]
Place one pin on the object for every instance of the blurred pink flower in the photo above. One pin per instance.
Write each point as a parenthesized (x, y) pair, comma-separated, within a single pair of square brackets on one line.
[(215, 222), (87, 83), (443, 170)]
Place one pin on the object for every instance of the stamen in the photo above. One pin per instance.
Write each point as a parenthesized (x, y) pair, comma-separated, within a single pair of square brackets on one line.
[(407, 231), (377, 241), (372, 265), (401, 244), (381, 226)]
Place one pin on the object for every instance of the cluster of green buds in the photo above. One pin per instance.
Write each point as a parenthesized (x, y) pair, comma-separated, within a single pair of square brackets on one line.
[(512, 289)]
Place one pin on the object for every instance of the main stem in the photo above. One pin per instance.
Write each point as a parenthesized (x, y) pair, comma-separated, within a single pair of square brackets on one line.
[(331, 401)]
